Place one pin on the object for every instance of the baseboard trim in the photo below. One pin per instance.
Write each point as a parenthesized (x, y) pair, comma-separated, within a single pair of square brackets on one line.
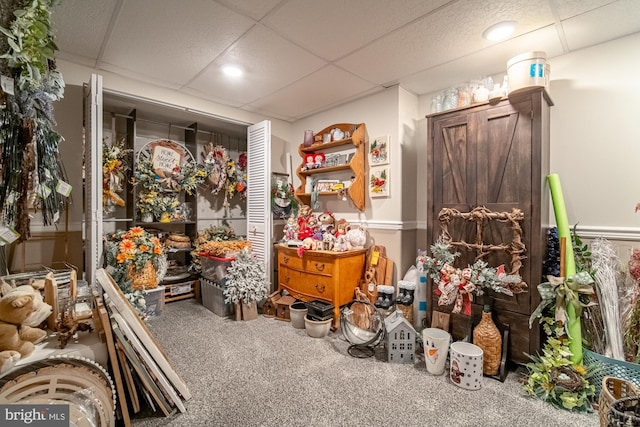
[(609, 233)]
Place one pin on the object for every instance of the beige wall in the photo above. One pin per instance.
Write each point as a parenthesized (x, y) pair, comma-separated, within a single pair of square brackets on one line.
[(595, 143), (595, 139)]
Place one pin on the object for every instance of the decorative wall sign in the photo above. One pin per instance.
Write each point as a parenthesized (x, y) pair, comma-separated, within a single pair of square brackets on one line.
[(379, 181), (379, 151)]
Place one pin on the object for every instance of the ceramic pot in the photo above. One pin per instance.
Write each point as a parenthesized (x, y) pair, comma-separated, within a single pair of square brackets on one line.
[(465, 369), (146, 217), (317, 328), (297, 312), (436, 345)]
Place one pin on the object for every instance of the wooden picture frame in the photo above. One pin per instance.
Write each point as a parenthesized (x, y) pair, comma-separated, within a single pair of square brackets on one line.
[(122, 306), (148, 382), (379, 181), (379, 151), (148, 361)]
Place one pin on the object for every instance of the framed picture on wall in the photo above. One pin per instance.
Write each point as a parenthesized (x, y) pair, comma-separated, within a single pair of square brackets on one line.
[(379, 151), (379, 181)]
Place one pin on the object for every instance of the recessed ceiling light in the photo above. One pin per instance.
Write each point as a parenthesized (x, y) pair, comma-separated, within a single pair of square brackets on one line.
[(499, 31), (232, 70)]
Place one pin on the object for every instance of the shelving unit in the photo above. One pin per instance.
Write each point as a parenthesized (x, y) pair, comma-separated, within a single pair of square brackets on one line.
[(356, 167)]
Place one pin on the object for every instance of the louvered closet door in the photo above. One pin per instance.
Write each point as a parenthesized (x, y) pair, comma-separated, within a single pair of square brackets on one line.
[(93, 177), (258, 190), (505, 182)]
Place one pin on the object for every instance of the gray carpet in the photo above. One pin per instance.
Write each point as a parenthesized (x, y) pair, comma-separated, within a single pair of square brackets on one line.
[(266, 373)]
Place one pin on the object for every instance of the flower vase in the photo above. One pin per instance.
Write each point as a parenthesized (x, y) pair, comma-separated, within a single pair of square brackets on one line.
[(165, 217), (487, 336), (146, 217)]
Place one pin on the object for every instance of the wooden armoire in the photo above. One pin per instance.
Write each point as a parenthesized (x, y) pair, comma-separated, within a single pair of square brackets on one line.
[(494, 155)]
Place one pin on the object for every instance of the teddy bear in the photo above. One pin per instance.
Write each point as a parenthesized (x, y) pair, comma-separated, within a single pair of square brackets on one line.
[(327, 222), (22, 310)]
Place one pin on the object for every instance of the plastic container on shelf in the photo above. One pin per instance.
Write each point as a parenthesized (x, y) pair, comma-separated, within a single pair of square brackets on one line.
[(528, 70), (214, 268), (154, 300)]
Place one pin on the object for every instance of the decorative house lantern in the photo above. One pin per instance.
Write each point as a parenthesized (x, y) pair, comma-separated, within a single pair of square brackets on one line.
[(401, 339)]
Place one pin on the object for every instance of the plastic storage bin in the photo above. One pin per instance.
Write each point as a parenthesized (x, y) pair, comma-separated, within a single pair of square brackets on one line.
[(154, 299), (214, 268), (528, 70)]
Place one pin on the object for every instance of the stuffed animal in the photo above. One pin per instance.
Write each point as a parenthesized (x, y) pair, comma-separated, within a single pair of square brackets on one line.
[(327, 222), (22, 310), (341, 228)]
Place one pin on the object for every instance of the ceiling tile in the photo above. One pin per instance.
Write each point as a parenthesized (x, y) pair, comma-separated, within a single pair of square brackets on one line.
[(173, 42), (316, 92), (269, 62), (256, 9), (450, 33), (487, 62), (333, 28), (570, 8), (596, 26), (80, 26)]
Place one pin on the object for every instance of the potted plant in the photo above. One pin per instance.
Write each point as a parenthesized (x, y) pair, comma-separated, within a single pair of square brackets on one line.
[(246, 285), (135, 259)]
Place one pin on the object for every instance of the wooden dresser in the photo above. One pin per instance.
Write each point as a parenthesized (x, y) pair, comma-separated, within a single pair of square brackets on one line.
[(325, 275)]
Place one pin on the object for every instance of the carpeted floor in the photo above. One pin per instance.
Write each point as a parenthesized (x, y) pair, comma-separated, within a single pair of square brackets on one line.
[(264, 372)]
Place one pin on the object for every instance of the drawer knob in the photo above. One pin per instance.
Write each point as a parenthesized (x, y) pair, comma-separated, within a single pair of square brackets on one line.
[(285, 259), (320, 287), (286, 279), (319, 267)]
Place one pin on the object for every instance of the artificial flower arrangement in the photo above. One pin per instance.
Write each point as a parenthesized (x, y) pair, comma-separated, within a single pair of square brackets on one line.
[(156, 203), (552, 376), (115, 165), (128, 252), (218, 241), (459, 286), (215, 159), (283, 201), (186, 177)]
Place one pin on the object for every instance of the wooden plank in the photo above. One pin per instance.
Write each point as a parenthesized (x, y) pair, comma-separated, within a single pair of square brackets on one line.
[(103, 318), (142, 332), (51, 298), (388, 276), (149, 385), (128, 377), (149, 361)]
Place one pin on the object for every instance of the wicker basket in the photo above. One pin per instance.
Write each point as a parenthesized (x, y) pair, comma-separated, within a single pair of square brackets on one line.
[(625, 412), (613, 389), (146, 278), (407, 311), (607, 367)]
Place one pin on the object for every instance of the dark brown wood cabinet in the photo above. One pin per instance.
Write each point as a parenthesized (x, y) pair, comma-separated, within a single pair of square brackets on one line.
[(494, 155)]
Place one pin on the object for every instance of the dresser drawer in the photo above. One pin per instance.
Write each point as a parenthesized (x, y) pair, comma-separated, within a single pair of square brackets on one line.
[(308, 285), (310, 264)]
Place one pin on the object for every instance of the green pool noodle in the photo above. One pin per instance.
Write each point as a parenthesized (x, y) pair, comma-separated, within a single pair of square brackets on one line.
[(573, 322)]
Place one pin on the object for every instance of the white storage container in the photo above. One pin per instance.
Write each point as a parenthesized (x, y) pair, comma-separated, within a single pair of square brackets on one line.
[(528, 70)]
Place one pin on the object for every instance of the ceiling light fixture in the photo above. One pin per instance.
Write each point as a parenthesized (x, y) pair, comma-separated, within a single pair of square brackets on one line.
[(232, 70), (499, 31)]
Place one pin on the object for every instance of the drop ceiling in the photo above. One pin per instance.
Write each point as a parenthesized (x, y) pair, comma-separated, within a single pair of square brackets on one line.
[(301, 57)]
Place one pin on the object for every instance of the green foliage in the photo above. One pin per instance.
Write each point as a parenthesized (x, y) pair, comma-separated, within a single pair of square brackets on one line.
[(32, 48), (246, 280), (552, 376), (581, 253)]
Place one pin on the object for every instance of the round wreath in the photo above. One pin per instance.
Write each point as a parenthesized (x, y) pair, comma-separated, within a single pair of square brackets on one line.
[(215, 158)]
